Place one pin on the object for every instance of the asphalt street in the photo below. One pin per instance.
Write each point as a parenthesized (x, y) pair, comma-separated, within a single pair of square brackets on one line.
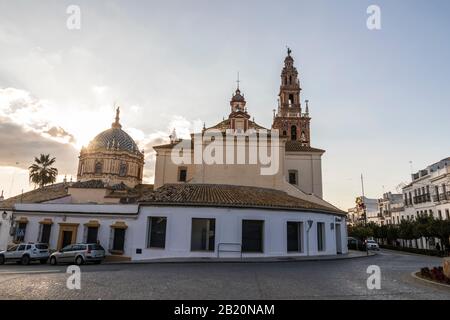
[(336, 279)]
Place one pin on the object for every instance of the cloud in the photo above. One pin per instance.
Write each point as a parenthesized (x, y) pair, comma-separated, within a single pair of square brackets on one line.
[(29, 126), (19, 147), (58, 132)]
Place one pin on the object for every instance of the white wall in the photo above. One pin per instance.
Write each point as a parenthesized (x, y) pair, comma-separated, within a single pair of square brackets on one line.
[(104, 232), (228, 230), (178, 234), (5, 226), (309, 167)]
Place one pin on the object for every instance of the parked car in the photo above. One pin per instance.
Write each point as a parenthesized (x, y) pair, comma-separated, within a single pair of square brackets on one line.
[(355, 244), (25, 253), (372, 245), (79, 253)]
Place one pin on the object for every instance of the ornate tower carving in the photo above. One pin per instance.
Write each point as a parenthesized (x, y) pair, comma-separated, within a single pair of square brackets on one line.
[(288, 118)]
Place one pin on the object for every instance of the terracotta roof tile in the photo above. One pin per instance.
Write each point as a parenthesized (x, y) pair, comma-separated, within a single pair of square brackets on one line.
[(297, 146), (90, 184), (230, 196), (47, 193)]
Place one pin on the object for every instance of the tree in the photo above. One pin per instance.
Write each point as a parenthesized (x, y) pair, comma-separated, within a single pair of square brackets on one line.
[(41, 171), (392, 233), (406, 230), (422, 227), (374, 229), (441, 229), (382, 232), (360, 231)]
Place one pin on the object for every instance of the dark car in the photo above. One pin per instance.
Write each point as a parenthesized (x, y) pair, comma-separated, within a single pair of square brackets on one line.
[(355, 244)]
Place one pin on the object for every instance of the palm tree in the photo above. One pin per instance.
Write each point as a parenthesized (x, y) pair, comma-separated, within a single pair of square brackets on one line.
[(41, 172)]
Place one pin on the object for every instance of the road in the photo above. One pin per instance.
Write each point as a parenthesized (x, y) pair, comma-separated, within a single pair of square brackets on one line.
[(337, 279)]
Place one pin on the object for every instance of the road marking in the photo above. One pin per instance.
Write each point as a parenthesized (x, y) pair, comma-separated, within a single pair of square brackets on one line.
[(30, 271)]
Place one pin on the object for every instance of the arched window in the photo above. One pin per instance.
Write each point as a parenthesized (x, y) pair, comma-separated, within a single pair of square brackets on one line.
[(293, 133), (139, 173), (98, 167), (291, 100), (123, 169)]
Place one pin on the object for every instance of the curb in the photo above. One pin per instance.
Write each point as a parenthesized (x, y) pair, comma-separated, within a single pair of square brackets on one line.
[(412, 253), (212, 260), (413, 274)]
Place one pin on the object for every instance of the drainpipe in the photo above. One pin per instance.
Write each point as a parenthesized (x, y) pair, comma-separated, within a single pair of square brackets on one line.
[(310, 223)]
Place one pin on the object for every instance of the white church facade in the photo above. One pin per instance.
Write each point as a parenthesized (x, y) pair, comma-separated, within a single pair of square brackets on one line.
[(225, 208)]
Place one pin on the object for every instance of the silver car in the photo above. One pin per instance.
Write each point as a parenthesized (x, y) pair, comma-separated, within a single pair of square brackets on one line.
[(79, 253), (24, 253), (372, 245)]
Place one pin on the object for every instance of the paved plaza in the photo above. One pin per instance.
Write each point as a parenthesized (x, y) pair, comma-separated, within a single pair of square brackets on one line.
[(336, 279)]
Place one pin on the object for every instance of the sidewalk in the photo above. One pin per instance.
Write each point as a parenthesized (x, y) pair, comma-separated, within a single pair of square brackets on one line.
[(351, 255)]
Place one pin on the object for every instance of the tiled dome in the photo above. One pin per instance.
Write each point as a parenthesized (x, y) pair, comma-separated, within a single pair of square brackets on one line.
[(114, 138)]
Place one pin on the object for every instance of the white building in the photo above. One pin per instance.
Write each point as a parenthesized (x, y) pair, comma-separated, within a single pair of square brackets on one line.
[(363, 206), (193, 210), (390, 209), (429, 192), (191, 220)]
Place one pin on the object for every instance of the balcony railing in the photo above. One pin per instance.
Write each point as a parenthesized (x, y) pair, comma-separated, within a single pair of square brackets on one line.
[(441, 197), (422, 198)]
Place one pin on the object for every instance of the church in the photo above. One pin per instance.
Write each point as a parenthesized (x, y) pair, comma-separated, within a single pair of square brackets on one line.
[(229, 206)]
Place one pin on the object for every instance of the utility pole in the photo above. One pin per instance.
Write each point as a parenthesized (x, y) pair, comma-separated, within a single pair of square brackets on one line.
[(364, 209)]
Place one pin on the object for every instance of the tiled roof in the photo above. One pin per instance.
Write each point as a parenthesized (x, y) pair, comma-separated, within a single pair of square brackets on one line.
[(120, 190), (90, 184), (129, 195), (230, 196), (225, 124), (60, 190), (297, 146), (47, 193)]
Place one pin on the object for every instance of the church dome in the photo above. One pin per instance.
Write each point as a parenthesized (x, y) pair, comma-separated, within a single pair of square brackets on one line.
[(112, 157), (114, 138)]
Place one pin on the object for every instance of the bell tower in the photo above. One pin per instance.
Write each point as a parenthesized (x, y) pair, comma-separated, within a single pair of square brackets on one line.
[(239, 117), (288, 118)]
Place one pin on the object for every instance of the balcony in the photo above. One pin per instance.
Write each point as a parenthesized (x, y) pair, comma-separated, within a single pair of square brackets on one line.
[(387, 213), (408, 203), (441, 196), (422, 198)]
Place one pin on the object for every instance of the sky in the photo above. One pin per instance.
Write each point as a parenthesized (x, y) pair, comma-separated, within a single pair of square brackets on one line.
[(379, 99)]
